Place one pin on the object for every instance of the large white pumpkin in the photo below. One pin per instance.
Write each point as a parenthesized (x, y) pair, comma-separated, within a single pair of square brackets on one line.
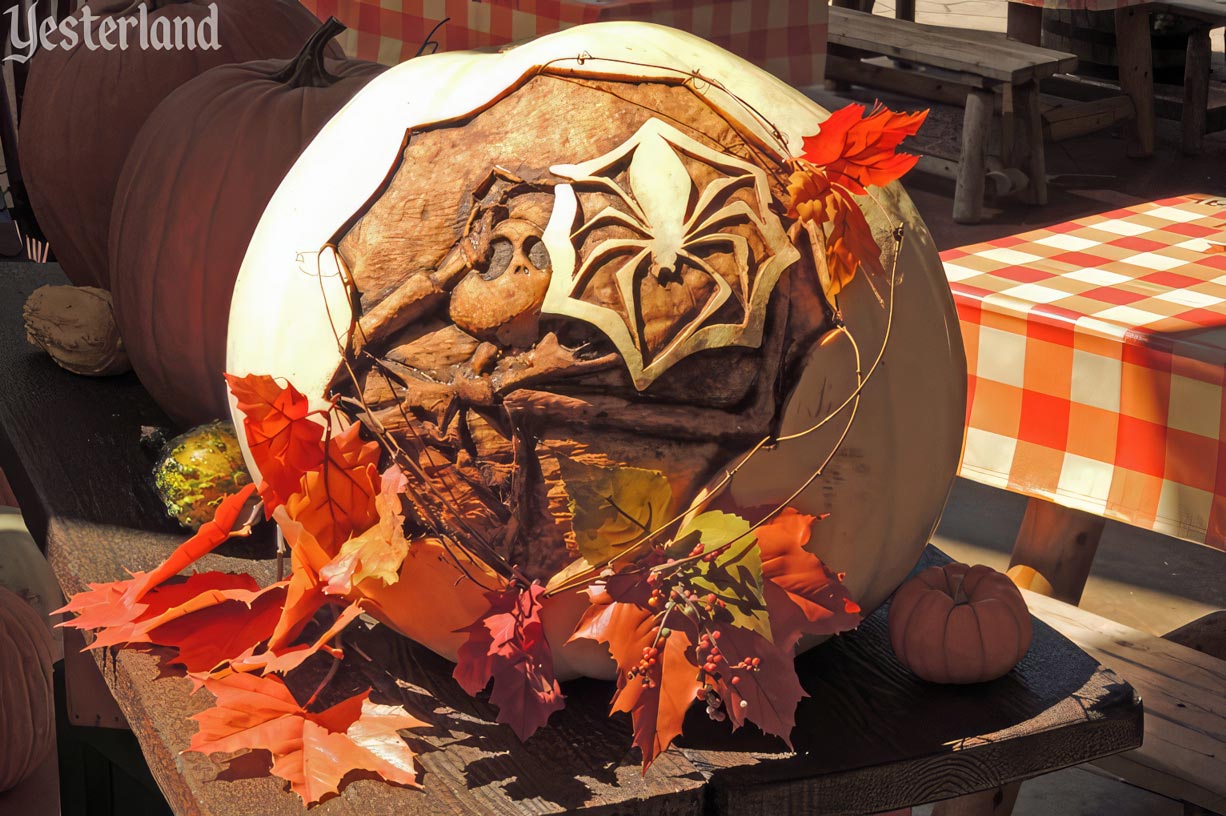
[(884, 490)]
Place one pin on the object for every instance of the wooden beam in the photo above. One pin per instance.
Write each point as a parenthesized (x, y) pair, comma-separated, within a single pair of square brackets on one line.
[(1024, 23), (1185, 710), (1132, 45), (1058, 543), (1195, 91), (947, 87), (1078, 119)]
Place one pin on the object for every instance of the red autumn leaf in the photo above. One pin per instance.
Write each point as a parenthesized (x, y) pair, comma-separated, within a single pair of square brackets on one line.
[(658, 695), (857, 151), (811, 599), (380, 551), (284, 441), (767, 694), (117, 602), (508, 646), (174, 601), (211, 637), (312, 751), (338, 499)]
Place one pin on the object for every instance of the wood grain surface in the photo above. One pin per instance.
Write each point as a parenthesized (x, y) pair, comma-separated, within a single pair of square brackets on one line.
[(871, 737)]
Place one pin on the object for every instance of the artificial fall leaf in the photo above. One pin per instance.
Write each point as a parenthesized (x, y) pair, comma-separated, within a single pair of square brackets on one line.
[(379, 552), (810, 594), (284, 441), (839, 230), (312, 751), (118, 602), (735, 576), (339, 498), (857, 151), (282, 661), (613, 506), (305, 594), (656, 695), (767, 694), (172, 602), (508, 645), (210, 638)]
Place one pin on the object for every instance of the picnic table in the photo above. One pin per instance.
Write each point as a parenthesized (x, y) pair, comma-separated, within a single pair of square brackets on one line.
[(1135, 55), (871, 737), (1097, 358)]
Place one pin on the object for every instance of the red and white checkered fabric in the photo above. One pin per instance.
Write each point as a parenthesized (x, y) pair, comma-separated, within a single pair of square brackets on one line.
[(786, 37), (1097, 359)]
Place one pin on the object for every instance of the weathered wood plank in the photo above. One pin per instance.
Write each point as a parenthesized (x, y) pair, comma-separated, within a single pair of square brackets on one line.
[(1183, 690), (952, 49)]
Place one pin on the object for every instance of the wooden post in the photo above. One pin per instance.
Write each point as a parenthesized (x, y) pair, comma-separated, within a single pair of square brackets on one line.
[(1195, 91), (1135, 54), (972, 164), (1024, 23), (998, 802), (904, 10), (1058, 543), (1029, 118)]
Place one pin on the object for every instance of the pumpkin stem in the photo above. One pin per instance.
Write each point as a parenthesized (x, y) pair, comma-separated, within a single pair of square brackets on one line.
[(959, 594), (307, 69)]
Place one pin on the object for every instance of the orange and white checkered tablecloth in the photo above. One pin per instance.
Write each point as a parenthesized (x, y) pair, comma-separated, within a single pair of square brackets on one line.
[(1097, 358), (786, 37)]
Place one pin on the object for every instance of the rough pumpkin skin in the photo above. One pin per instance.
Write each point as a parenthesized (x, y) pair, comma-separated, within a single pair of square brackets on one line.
[(197, 470)]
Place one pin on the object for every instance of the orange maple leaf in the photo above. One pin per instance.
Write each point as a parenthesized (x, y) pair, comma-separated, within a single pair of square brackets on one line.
[(119, 602), (657, 698), (338, 499), (856, 151), (807, 597), (378, 552), (311, 751), (284, 441)]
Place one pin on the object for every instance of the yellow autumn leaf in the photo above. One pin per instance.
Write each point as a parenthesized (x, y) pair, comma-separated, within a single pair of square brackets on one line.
[(613, 506)]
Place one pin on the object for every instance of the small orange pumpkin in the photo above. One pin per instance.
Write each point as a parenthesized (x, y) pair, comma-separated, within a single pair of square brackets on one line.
[(959, 624), (27, 702)]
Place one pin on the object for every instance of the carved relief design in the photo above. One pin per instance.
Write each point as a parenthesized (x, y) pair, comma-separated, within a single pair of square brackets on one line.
[(667, 246)]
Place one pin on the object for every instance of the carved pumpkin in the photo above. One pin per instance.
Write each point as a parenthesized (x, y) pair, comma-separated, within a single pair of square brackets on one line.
[(226, 139), (83, 108), (27, 701), (959, 624), (535, 256)]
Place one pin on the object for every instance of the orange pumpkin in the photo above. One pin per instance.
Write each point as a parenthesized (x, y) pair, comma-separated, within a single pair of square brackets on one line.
[(959, 624), (196, 181), (27, 701), (84, 106)]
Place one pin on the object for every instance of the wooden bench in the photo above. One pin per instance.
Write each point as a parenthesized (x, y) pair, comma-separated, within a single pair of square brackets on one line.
[(1183, 756), (988, 72)]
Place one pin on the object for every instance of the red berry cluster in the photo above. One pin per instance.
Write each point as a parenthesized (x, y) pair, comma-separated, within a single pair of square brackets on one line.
[(645, 670)]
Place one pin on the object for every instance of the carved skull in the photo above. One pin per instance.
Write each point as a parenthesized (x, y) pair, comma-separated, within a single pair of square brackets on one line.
[(500, 300)]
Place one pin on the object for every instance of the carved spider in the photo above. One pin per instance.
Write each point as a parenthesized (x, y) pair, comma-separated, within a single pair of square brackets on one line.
[(657, 208)]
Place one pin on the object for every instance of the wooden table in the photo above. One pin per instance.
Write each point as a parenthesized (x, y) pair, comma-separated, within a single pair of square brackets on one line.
[(1097, 354), (1135, 55), (870, 737)]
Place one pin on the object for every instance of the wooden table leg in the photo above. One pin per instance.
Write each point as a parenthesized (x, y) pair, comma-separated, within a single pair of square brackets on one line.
[(997, 802), (1029, 121), (1132, 45), (1054, 550), (1195, 91), (904, 10), (972, 164)]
